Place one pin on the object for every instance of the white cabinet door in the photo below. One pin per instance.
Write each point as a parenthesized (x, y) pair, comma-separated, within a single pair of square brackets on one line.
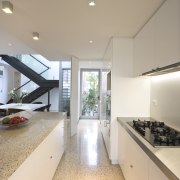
[(158, 43), (167, 33), (134, 162), (144, 59), (155, 173), (43, 161), (106, 135), (137, 161), (124, 154), (132, 159), (120, 145)]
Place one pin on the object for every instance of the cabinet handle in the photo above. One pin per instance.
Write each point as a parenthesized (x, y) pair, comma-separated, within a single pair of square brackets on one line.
[(131, 166), (50, 157)]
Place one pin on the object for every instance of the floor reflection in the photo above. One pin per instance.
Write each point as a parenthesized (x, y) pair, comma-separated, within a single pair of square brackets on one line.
[(86, 157), (90, 143)]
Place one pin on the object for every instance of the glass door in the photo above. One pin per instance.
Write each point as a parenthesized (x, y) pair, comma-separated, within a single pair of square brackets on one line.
[(90, 81)]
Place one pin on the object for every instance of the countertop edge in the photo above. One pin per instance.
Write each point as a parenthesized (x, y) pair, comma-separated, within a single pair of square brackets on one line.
[(149, 153), (25, 134)]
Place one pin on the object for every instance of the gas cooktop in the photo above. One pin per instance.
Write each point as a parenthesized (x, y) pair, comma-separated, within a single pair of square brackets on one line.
[(157, 133)]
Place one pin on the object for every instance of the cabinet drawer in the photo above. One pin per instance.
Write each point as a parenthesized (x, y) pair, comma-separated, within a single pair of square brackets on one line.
[(43, 161), (155, 173), (133, 161)]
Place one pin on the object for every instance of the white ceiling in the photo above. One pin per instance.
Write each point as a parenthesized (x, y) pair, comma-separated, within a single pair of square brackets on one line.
[(66, 26)]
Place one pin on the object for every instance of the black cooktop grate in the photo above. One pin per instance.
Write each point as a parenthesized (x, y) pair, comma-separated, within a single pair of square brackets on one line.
[(157, 133)]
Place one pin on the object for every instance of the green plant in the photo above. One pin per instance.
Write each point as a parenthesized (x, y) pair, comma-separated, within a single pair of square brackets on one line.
[(89, 97), (18, 97)]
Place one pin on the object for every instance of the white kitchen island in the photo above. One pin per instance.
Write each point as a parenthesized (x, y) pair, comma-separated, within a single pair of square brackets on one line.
[(33, 151)]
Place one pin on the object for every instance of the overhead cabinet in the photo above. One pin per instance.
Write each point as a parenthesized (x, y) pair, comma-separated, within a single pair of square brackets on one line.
[(167, 33), (144, 49), (163, 70), (158, 43)]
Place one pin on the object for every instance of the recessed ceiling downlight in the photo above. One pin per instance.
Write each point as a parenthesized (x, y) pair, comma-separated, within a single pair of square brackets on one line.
[(91, 3), (7, 7), (35, 35), (91, 41)]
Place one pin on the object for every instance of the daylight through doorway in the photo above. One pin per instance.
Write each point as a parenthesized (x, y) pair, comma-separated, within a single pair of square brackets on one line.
[(90, 93)]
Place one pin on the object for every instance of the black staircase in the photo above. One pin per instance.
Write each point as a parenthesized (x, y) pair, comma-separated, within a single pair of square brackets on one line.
[(45, 85), (21, 67), (36, 93)]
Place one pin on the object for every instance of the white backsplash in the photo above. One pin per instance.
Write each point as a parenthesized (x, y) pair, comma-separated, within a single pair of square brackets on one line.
[(165, 98)]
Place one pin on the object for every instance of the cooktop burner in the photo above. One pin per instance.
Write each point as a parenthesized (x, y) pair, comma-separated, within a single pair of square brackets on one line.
[(157, 133)]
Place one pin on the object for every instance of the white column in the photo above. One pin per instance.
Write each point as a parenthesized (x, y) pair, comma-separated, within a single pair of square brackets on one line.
[(74, 105)]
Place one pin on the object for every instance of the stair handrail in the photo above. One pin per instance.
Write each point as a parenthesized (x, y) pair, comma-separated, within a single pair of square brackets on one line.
[(47, 68), (39, 73), (39, 61), (31, 80)]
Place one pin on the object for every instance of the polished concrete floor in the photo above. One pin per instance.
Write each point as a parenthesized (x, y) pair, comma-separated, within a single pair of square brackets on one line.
[(86, 158)]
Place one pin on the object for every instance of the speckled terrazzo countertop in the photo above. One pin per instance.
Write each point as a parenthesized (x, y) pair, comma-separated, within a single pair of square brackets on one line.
[(16, 144), (167, 159)]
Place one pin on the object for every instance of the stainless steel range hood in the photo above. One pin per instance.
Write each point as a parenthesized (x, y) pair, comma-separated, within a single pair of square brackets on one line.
[(163, 70)]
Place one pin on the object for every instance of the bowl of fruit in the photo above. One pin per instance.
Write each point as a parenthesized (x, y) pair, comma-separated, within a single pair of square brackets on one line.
[(14, 121)]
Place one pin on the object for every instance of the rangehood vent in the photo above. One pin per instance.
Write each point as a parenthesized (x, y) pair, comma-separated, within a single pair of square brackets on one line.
[(163, 70)]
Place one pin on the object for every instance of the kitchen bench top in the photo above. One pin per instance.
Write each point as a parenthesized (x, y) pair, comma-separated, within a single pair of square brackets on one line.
[(16, 144), (167, 159)]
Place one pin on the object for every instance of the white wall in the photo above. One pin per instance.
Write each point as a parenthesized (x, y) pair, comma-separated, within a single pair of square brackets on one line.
[(90, 64), (53, 72), (7, 82), (165, 98), (129, 96), (74, 105)]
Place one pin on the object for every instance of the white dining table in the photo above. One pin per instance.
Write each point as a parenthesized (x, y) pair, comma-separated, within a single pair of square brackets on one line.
[(22, 106)]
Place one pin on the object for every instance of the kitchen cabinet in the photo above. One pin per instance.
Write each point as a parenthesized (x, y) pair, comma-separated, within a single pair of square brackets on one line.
[(167, 34), (134, 162), (158, 43), (126, 91), (144, 57), (155, 173), (105, 130), (43, 161)]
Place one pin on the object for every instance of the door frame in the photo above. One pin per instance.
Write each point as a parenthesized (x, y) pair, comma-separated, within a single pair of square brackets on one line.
[(99, 93)]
